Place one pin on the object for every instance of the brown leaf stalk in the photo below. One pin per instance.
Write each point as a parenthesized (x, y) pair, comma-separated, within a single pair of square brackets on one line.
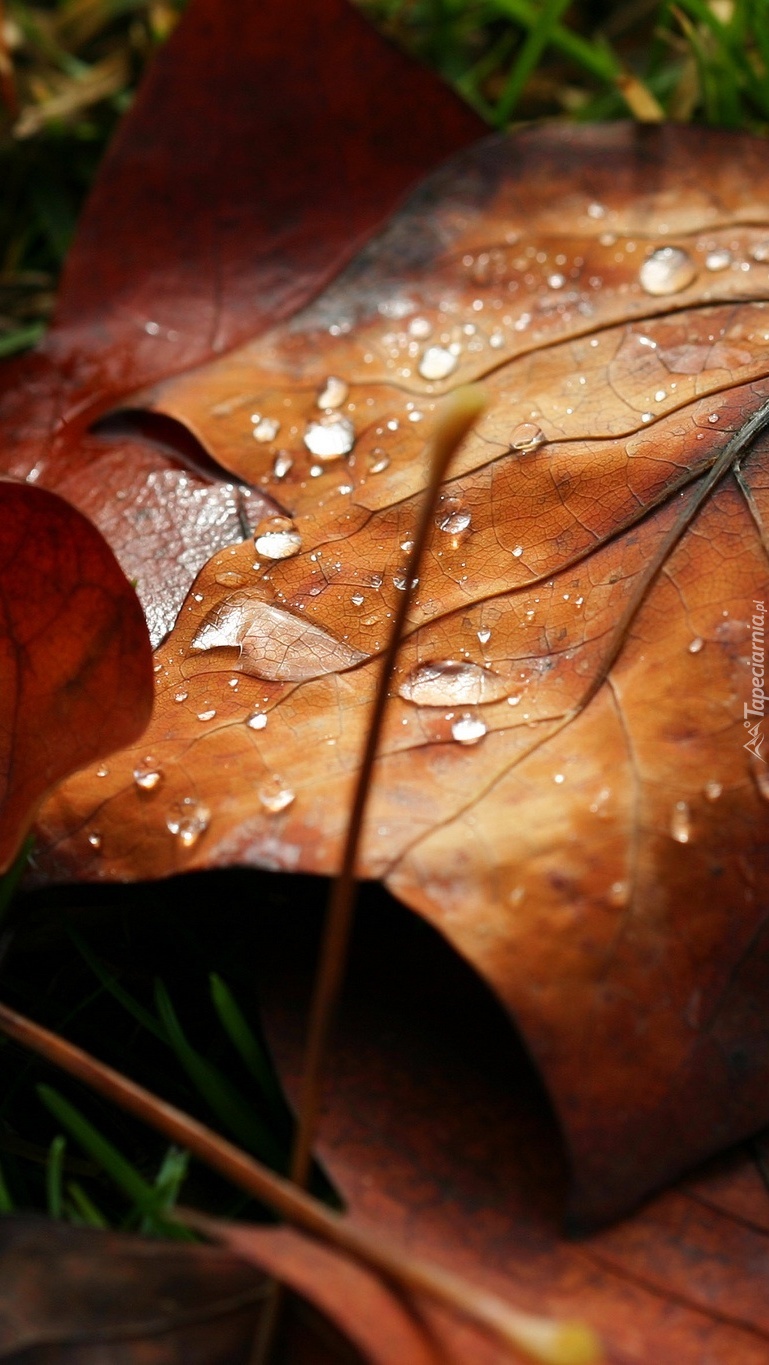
[(460, 411)]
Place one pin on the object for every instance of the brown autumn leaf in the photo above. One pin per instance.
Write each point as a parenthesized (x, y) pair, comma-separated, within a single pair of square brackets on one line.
[(75, 658), (564, 774), (107, 1298)]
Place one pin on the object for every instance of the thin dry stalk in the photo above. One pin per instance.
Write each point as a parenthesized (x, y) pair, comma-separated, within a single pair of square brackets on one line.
[(540, 1339)]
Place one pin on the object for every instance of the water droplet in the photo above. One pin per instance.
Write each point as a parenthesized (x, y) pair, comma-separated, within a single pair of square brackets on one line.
[(357, 599), (147, 775), (407, 545), (207, 715), (420, 328), (188, 819), (517, 552), (596, 211), (660, 395), (452, 516), (484, 635), (695, 645), (446, 682), (468, 730), (275, 796), (257, 721), (619, 894), (667, 270), (378, 461), (399, 582), (277, 538), (282, 464), (266, 428), (94, 840), (556, 281), (713, 790), (102, 770), (526, 436), (437, 363), (334, 393), (713, 417), (681, 823), (415, 416), (718, 260), (559, 778), (330, 437), (181, 696), (760, 251), (229, 579), (274, 643)]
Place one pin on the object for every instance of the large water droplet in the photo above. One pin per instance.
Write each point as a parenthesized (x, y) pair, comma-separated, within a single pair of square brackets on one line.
[(334, 393), (257, 721), (437, 363), (681, 823), (452, 516), (667, 270), (468, 730), (147, 775), (330, 437), (526, 436), (277, 538), (275, 795), (274, 644), (188, 819), (445, 682)]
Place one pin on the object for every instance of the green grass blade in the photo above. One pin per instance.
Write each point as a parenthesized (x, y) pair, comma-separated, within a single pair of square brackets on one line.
[(251, 1050), (538, 38), (118, 992), (6, 1202), (232, 1111), (85, 1211), (144, 1198), (53, 1176), (595, 58)]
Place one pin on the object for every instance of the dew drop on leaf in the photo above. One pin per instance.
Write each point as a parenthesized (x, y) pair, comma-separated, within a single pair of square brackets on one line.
[(265, 429), (330, 437), (187, 820), (681, 823), (257, 721), (437, 363), (718, 260), (452, 517), (277, 538), (147, 775), (446, 682), (282, 464), (334, 393), (668, 270), (275, 795), (526, 436), (468, 730)]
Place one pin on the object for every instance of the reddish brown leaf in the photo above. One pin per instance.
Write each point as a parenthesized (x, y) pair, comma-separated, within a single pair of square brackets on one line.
[(72, 1295), (247, 173), (385, 1328), (75, 660), (558, 798)]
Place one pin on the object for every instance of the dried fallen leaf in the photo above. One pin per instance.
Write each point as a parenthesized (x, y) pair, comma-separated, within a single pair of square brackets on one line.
[(75, 659), (86, 1297), (564, 771)]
